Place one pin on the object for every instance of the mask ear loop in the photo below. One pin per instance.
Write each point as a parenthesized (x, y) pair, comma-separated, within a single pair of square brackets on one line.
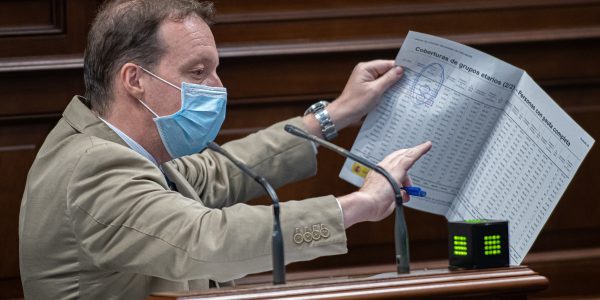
[(157, 77), (147, 107)]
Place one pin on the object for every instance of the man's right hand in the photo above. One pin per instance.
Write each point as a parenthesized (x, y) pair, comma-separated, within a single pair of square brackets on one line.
[(375, 199)]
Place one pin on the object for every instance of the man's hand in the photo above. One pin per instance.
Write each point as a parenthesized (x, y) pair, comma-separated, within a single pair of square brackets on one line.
[(375, 199), (363, 91)]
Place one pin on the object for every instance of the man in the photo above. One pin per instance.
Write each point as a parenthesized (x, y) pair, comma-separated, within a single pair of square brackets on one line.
[(118, 202)]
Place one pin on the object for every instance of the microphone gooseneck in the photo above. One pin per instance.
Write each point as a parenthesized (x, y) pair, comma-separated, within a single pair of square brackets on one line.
[(400, 230), (277, 238)]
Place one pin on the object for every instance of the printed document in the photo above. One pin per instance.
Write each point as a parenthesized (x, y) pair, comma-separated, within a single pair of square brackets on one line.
[(502, 148)]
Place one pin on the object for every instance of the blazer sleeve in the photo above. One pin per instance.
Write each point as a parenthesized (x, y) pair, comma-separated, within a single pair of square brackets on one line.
[(126, 221), (272, 153)]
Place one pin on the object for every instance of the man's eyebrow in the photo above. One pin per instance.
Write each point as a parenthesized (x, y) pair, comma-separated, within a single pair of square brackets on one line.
[(202, 60), (193, 61)]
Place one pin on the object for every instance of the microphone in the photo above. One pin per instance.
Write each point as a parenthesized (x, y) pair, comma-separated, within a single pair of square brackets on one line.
[(277, 238), (400, 231)]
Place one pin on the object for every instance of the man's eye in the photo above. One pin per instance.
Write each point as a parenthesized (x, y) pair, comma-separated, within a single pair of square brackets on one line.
[(198, 72)]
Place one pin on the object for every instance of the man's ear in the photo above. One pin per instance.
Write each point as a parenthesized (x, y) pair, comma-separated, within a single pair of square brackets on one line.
[(130, 79)]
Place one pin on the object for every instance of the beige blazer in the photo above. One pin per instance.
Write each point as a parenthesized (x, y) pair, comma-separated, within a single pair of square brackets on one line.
[(98, 220)]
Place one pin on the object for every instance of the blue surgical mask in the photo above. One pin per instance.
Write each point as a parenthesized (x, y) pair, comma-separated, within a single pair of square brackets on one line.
[(197, 123)]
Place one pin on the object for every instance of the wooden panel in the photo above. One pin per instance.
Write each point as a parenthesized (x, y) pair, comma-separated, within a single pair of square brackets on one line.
[(43, 17), (264, 21), (44, 27), (39, 93), (501, 283), (573, 273), (19, 143), (12, 162)]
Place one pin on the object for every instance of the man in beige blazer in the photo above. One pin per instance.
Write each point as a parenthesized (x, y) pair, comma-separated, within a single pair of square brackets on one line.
[(109, 213)]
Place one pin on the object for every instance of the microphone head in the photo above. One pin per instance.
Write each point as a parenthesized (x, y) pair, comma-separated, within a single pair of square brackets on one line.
[(297, 131), (290, 128), (300, 133)]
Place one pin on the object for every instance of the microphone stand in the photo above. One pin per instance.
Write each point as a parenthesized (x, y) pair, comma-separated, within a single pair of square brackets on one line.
[(400, 231), (277, 238)]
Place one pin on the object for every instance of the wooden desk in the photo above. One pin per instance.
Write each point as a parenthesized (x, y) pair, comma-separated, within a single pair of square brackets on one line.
[(501, 283)]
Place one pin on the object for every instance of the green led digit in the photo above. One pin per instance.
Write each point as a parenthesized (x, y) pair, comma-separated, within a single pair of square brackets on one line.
[(460, 245), (491, 244)]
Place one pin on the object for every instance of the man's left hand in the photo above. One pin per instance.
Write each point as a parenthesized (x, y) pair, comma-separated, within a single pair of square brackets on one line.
[(362, 93)]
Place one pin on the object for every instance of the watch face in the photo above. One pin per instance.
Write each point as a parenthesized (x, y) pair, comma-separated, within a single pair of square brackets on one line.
[(316, 107), (323, 103)]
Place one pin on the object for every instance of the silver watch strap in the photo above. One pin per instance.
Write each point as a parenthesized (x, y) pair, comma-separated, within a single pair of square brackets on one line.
[(327, 127)]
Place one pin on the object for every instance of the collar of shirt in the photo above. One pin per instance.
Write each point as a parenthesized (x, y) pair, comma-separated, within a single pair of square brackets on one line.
[(131, 143)]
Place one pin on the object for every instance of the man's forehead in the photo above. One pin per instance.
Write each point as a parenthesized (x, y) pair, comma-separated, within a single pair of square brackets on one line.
[(192, 30)]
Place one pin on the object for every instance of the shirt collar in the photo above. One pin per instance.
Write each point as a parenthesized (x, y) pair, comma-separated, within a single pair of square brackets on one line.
[(131, 143)]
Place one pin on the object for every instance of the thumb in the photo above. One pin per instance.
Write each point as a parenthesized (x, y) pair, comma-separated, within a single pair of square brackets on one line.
[(390, 77)]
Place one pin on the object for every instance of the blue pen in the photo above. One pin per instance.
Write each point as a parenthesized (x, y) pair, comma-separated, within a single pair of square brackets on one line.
[(414, 191)]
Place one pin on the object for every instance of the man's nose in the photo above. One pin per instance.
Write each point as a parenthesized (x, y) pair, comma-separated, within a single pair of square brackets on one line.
[(215, 80)]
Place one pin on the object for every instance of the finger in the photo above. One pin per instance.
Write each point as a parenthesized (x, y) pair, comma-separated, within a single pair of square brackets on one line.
[(378, 67), (397, 155), (388, 79), (405, 196), (407, 158), (419, 150), (407, 181)]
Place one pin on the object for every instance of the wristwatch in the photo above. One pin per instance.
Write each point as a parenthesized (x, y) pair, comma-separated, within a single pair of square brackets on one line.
[(322, 115)]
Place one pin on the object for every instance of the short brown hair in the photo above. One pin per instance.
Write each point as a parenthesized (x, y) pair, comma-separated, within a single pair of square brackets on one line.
[(126, 31)]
